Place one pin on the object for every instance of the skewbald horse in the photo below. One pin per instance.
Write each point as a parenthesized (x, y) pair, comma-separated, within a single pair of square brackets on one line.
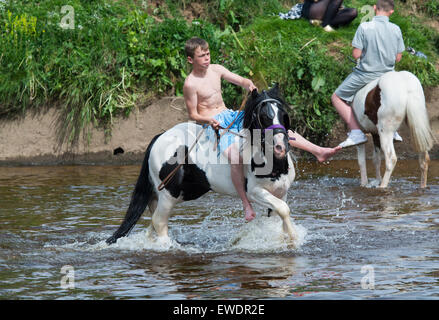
[(380, 107), (269, 170)]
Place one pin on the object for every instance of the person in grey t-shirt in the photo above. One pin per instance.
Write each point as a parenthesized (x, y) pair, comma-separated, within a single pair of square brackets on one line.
[(379, 45)]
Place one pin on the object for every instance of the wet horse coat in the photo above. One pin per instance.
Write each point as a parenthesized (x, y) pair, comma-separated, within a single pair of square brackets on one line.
[(267, 176), (380, 107)]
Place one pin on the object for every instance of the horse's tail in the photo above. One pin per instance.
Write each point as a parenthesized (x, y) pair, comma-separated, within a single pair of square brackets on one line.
[(417, 117), (140, 198)]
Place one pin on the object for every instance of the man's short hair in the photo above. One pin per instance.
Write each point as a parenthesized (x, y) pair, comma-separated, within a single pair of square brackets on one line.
[(385, 5), (193, 43)]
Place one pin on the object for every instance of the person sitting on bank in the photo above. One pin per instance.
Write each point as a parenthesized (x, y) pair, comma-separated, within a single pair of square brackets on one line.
[(329, 14)]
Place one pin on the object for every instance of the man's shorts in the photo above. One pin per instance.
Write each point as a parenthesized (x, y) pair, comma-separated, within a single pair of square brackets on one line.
[(225, 118), (354, 82)]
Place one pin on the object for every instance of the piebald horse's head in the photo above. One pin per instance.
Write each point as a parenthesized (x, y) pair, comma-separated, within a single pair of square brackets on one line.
[(265, 114)]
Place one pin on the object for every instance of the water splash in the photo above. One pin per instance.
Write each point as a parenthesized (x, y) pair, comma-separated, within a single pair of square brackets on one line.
[(144, 240), (265, 234)]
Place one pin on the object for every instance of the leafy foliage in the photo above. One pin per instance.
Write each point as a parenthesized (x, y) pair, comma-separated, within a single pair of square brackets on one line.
[(121, 52)]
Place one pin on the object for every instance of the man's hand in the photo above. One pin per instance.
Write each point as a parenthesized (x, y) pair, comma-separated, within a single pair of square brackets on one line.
[(214, 124), (252, 86)]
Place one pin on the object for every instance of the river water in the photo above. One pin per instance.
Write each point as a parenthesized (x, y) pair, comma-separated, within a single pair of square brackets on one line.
[(353, 242)]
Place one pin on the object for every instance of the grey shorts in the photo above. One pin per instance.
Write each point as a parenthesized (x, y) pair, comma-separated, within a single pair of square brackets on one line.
[(354, 82)]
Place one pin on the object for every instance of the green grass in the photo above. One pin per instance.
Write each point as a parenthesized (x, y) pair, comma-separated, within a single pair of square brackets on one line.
[(122, 53), (295, 56), (115, 54), (309, 63)]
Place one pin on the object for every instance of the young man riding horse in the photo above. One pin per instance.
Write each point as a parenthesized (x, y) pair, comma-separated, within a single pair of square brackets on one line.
[(379, 45), (205, 105), (179, 167)]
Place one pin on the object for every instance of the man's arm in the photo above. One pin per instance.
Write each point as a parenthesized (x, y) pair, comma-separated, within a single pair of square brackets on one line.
[(236, 79), (398, 57), (356, 53), (358, 43)]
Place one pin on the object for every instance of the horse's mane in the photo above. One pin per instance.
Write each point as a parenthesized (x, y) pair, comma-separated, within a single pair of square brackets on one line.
[(253, 101)]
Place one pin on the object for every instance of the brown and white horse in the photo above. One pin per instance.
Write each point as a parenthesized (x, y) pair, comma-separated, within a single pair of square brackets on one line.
[(380, 108)]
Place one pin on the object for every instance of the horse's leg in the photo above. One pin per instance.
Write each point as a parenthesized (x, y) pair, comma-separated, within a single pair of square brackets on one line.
[(161, 215), (424, 160), (265, 198), (377, 156), (361, 158), (284, 199), (153, 205), (386, 140)]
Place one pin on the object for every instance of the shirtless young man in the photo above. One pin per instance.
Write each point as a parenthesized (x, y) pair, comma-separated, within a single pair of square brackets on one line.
[(205, 105)]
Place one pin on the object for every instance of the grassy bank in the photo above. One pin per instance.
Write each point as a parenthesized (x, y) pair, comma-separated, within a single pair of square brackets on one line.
[(114, 55)]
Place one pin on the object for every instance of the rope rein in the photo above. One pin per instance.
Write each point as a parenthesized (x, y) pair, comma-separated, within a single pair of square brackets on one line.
[(168, 178)]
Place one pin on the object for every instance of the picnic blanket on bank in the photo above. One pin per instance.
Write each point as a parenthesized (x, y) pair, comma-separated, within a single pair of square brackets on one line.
[(294, 13)]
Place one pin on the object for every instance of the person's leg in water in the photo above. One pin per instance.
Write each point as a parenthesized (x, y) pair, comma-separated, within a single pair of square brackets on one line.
[(321, 153), (238, 179)]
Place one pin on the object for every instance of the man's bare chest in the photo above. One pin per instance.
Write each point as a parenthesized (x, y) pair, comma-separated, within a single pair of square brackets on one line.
[(209, 88)]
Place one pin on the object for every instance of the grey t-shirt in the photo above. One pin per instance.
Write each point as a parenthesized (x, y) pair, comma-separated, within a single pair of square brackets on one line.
[(380, 42)]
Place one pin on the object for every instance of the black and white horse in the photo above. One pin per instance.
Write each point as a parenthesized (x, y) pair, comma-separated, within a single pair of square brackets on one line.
[(268, 167)]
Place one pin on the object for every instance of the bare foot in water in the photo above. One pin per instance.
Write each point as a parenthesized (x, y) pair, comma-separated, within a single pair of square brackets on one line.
[(249, 213), (327, 153)]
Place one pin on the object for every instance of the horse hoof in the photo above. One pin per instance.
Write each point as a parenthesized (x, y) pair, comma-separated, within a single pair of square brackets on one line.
[(291, 243)]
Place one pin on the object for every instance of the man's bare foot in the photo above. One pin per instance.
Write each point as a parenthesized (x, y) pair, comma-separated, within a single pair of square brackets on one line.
[(326, 153), (249, 213)]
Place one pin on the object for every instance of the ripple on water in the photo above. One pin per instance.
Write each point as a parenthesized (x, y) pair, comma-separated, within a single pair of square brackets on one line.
[(62, 216)]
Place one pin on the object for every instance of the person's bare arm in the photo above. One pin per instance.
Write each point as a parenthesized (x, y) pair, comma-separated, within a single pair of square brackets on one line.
[(398, 57), (191, 100), (356, 53), (236, 79)]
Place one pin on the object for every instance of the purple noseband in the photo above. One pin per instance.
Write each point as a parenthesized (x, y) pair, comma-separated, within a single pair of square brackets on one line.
[(275, 126), (278, 126)]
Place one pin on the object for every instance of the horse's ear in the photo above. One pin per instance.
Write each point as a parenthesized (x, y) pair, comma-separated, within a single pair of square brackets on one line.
[(274, 92)]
